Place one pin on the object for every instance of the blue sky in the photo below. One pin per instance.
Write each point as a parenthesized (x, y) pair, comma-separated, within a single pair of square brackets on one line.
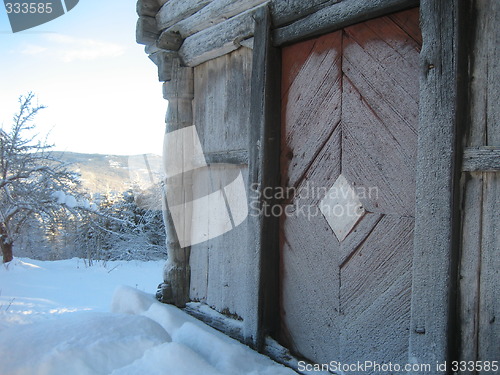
[(101, 90)]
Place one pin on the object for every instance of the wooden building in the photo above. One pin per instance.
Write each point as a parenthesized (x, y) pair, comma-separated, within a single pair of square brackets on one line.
[(396, 101)]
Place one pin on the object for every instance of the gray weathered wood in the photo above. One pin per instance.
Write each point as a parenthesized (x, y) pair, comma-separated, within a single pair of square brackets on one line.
[(146, 31), (229, 157), (221, 115), (479, 267), (489, 281), (164, 60), (175, 10), (337, 16), (217, 40), (286, 11), (221, 105), (169, 41), (177, 273), (434, 252), (470, 267), (282, 355), (247, 43), (485, 86), (216, 320), (485, 158), (147, 7), (264, 149), (214, 13)]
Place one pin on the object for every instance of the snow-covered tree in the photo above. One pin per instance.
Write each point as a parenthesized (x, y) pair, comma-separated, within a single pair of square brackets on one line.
[(34, 185)]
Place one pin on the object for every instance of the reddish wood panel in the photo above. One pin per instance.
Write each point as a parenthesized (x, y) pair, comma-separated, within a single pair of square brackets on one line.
[(350, 108)]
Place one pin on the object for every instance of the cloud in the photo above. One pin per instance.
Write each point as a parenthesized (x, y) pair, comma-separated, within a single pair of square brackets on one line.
[(68, 49), (31, 49)]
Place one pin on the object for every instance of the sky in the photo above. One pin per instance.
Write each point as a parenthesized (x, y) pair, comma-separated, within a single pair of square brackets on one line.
[(100, 88)]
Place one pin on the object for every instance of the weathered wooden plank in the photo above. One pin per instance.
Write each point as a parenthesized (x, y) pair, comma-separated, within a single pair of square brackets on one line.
[(264, 148), (489, 277), (311, 104), (146, 31), (361, 232), (199, 260), (175, 10), (470, 266), (380, 332), (216, 320), (408, 21), (286, 11), (282, 355), (485, 158), (229, 157), (169, 41), (374, 154), (434, 254), (479, 277), (217, 40), (377, 265), (310, 305), (337, 16), (222, 109), (485, 86), (216, 12)]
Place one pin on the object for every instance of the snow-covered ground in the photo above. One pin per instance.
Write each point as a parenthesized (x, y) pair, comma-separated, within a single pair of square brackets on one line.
[(61, 317)]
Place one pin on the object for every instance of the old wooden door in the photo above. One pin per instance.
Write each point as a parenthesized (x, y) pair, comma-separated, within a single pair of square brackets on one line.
[(349, 141)]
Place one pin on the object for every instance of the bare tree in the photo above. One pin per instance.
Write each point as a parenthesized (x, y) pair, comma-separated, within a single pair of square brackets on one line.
[(33, 183)]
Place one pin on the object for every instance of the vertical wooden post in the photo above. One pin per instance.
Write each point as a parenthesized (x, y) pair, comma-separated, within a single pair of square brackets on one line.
[(264, 149), (436, 220), (179, 92)]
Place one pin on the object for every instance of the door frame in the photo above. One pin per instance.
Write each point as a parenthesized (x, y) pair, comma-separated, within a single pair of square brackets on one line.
[(437, 218)]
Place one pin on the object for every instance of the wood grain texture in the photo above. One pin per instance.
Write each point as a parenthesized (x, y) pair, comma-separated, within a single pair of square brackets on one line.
[(221, 104), (286, 11), (479, 266), (350, 107), (337, 16), (174, 11), (221, 115), (218, 40), (216, 12), (310, 104), (435, 212), (310, 276), (484, 158), (264, 148), (489, 282), (375, 323)]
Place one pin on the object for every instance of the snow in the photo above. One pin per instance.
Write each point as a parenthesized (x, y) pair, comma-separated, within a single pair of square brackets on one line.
[(62, 317), (71, 202)]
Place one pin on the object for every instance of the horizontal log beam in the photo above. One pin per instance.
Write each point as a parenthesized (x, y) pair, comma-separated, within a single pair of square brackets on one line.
[(228, 326), (239, 157), (284, 12), (481, 159), (218, 40), (216, 12), (174, 11), (337, 16)]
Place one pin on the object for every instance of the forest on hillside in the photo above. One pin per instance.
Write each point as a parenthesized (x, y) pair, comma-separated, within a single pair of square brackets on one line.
[(56, 205)]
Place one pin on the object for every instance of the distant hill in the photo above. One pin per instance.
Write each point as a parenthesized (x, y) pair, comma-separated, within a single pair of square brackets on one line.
[(113, 173)]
